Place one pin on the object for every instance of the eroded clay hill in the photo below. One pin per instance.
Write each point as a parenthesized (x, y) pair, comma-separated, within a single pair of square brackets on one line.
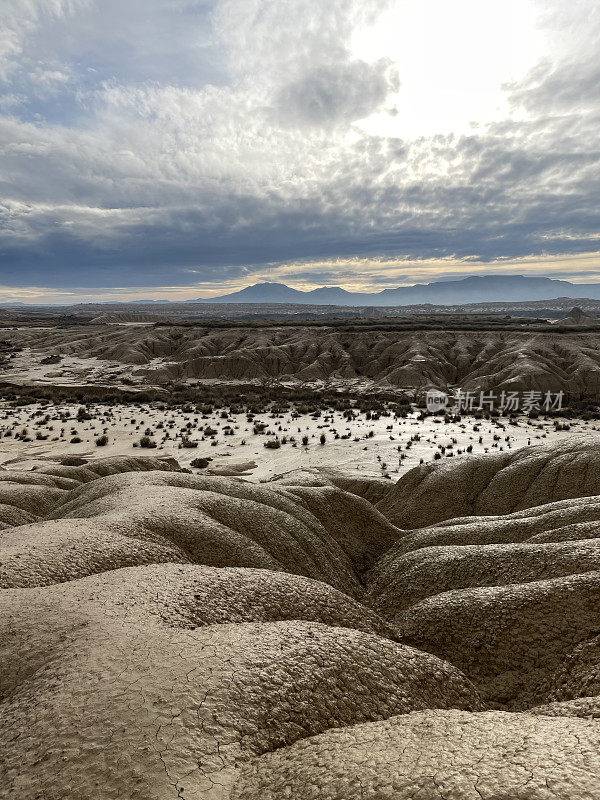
[(498, 483), (164, 635), (473, 360)]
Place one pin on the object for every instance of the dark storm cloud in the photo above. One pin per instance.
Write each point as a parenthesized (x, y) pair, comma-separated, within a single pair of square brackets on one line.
[(559, 89), (336, 93)]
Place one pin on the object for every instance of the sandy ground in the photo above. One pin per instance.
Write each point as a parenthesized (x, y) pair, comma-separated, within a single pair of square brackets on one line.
[(386, 446), (26, 368)]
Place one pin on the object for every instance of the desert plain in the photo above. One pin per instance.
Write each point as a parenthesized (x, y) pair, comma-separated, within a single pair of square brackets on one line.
[(266, 445)]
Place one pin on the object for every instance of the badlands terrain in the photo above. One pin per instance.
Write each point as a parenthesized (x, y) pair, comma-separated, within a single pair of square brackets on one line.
[(166, 634), (241, 562), (375, 355)]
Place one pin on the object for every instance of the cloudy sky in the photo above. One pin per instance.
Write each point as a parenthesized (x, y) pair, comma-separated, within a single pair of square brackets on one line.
[(182, 148)]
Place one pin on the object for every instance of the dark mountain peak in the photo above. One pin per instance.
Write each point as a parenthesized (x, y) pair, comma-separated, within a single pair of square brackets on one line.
[(266, 287), (577, 316), (503, 280), (267, 284), (266, 292), (329, 291)]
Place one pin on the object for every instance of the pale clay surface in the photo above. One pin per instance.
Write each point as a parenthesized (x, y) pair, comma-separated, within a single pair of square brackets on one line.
[(165, 634)]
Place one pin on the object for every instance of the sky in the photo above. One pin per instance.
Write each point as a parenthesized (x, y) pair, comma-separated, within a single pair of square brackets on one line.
[(184, 148)]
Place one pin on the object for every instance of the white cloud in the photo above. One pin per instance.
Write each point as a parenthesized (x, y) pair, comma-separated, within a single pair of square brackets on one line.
[(21, 19)]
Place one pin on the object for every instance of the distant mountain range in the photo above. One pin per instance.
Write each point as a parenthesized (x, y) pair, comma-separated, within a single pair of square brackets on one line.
[(475, 289)]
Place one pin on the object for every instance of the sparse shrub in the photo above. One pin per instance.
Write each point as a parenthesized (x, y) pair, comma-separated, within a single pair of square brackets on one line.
[(200, 463), (146, 441), (101, 441)]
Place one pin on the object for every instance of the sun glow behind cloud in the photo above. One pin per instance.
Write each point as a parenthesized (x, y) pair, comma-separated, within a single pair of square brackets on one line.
[(453, 59)]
